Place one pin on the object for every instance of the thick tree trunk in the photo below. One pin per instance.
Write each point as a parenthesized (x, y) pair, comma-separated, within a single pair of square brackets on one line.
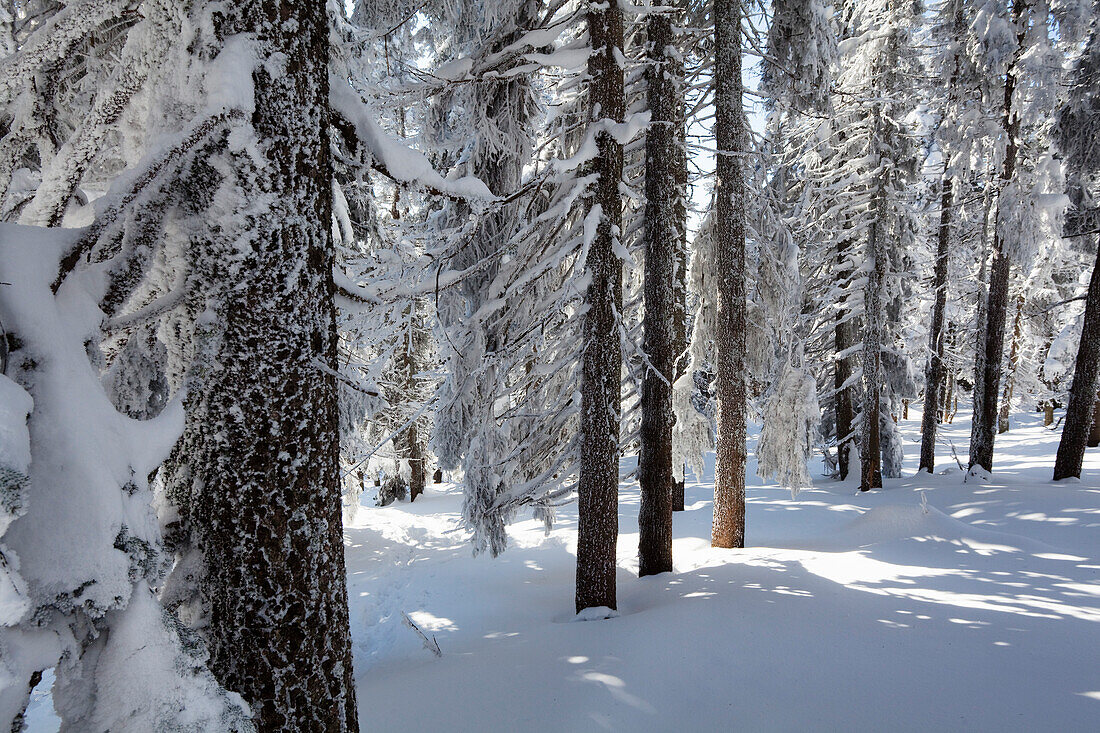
[(1048, 413), (661, 245), (598, 485), (992, 349), (871, 445), (934, 375), (1013, 362), (844, 338), (262, 433), (1081, 411), (728, 529)]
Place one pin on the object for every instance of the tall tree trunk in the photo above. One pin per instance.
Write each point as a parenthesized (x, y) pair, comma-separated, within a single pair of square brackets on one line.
[(262, 433), (1013, 362), (844, 338), (985, 402), (411, 361), (870, 448), (1080, 412), (598, 485), (680, 174), (934, 375), (728, 529), (661, 248)]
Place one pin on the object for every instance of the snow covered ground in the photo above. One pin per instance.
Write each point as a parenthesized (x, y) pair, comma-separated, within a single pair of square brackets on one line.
[(978, 611)]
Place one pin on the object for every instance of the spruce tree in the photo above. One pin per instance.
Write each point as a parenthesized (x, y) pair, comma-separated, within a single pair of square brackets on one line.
[(662, 246), (598, 484), (728, 528)]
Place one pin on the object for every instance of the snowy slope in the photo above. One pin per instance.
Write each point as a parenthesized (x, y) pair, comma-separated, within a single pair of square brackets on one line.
[(980, 611)]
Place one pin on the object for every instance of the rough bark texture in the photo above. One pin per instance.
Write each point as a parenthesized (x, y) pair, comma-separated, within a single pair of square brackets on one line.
[(844, 337), (934, 374), (1094, 432), (680, 173), (598, 485), (728, 528), (870, 448), (1080, 412), (992, 348), (661, 248), (263, 499)]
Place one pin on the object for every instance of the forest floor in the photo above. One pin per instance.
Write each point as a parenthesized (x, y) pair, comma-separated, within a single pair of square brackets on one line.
[(933, 604), (978, 610)]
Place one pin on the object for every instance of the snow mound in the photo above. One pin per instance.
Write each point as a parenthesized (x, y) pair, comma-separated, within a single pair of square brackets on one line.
[(598, 613)]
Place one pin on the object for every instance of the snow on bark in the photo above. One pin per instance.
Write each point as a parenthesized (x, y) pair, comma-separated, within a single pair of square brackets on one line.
[(662, 238), (257, 482), (728, 528), (598, 483)]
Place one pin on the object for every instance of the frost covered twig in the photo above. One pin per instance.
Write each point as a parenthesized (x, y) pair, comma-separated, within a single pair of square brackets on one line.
[(430, 644)]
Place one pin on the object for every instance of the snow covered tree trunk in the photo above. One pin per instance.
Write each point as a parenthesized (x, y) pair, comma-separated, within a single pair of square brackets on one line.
[(662, 239), (412, 442), (992, 347), (262, 435), (870, 446), (680, 319), (1013, 363), (1080, 412), (728, 528), (844, 338), (934, 375), (598, 484)]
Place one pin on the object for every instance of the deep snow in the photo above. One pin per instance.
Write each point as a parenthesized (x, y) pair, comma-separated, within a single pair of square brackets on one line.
[(979, 610)]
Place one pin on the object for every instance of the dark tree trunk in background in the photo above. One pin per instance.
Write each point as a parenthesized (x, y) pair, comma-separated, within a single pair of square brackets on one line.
[(262, 433), (598, 485), (844, 337), (992, 349), (412, 443), (661, 249), (728, 528), (1081, 410), (934, 374)]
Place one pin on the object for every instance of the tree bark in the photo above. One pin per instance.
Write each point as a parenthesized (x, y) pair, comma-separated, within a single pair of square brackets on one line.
[(1081, 410), (680, 174), (598, 484), (728, 528), (1094, 430), (992, 348), (661, 249), (870, 448), (934, 375), (262, 487), (844, 338)]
